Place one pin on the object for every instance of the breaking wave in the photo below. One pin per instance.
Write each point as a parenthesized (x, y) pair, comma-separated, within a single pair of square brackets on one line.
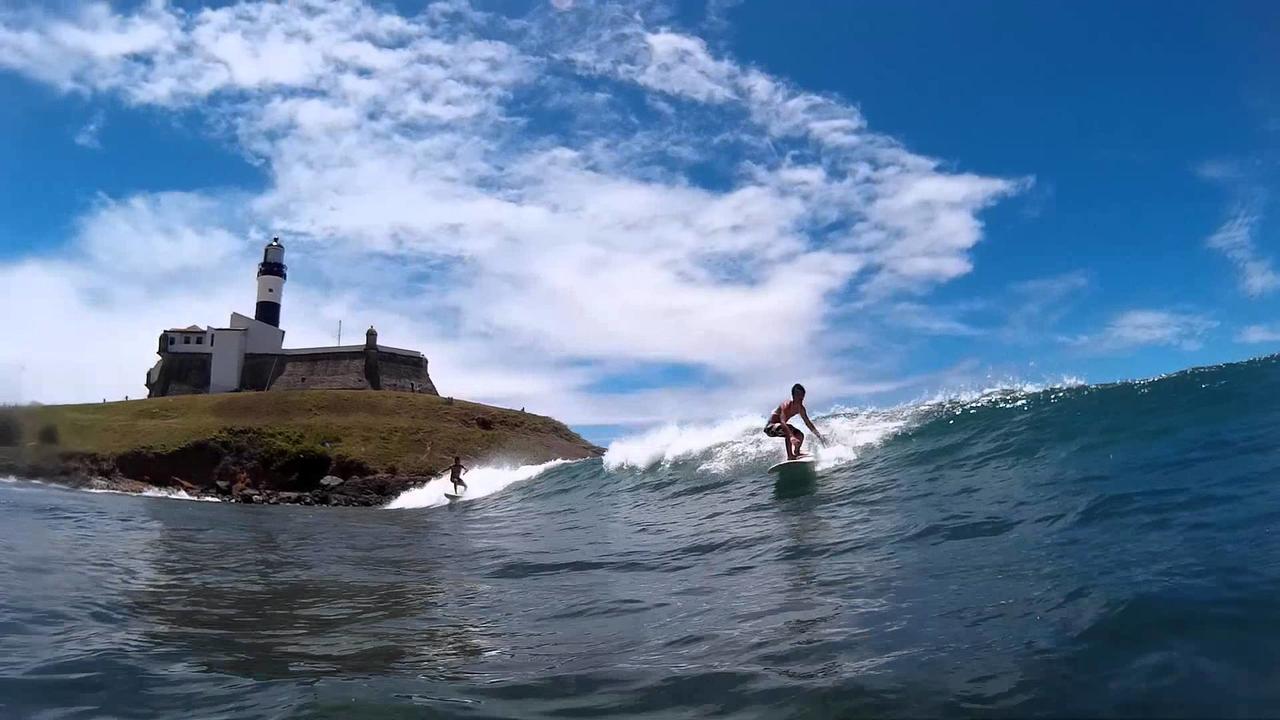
[(736, 443), (482, 481), (165, 493)]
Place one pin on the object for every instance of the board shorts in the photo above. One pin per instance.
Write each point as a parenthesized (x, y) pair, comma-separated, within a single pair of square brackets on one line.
[(775, 430)]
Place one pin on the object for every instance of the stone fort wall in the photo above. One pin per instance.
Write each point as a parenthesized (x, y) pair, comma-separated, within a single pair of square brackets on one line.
[(364, 369), (403, 373), (181, 374), (323, 371)]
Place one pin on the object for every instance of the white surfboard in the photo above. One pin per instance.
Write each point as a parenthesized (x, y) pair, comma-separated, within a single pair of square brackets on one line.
[(800, 467), (452, 497)]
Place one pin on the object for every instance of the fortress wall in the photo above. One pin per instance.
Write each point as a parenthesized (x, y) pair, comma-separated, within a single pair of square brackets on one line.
[(260, 371), (322, 371), (405, 373), (181, 374), (353, 369)]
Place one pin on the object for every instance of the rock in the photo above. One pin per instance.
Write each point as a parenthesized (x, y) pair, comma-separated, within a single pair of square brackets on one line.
[(114, 484), (331, 481), (240, 486), (286, 497), (224, 486)]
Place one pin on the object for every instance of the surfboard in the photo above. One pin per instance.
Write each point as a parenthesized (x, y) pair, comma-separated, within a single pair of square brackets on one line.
[(453, 497), (801, 467)]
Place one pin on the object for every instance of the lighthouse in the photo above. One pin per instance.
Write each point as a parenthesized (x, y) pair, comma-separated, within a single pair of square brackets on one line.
[(249, 353), (271, 277)]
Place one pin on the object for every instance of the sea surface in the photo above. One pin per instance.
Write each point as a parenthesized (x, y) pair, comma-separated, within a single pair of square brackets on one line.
[(1071, 551)]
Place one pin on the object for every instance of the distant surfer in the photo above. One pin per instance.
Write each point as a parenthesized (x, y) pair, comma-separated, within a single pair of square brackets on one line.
[(455, 474), (779, 427)]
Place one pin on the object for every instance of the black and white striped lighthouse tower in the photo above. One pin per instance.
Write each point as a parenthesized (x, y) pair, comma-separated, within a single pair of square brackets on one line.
[(271, 277)]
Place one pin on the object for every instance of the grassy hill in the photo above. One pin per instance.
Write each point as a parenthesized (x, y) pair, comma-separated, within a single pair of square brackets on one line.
[(387, 431)]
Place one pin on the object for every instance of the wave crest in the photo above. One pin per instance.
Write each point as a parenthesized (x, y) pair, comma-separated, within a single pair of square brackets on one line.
[(738, 442), (482, 481)]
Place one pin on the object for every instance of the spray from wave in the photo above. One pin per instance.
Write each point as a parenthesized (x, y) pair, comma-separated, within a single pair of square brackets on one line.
[(173, 494), (165, 493), (739, 442), (730, 445), (673, 442), (482, 481)]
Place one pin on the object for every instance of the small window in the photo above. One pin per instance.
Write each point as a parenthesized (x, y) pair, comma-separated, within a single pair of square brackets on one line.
[(200, 340), (172, 339), (186, 339), (211, 339), (271, 290)]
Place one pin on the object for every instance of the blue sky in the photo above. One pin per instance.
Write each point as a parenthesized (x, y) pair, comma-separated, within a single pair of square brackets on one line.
[(603, 211)]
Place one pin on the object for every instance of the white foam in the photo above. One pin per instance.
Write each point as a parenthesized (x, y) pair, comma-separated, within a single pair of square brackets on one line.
[(482, 481), (166, 493), (847, 432), (731, 444), (672, 442), (999, 391), (176, 494), (12, 480), (736, 442)]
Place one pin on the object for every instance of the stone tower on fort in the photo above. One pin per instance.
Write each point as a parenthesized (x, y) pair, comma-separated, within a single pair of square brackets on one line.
[(249, 354)]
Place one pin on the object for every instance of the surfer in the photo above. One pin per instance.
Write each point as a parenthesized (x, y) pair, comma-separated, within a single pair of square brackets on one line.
[(779, 427), (455, 474)]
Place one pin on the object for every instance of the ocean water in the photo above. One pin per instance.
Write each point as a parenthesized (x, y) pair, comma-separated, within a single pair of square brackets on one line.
[(1076, 551)]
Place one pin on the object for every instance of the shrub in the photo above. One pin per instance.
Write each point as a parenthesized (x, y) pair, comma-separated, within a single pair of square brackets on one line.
[(48, 435), (10, 430), (347, 467)]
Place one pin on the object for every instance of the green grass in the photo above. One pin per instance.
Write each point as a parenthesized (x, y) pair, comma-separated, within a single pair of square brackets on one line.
[(406, 432)]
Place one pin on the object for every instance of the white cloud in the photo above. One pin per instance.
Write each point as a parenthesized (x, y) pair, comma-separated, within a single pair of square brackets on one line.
[(83, 326), (1257, 334), (1219, 170), (1038, 304), (1054, 288), (88, 136), (1141, 328), (681, 65), (414, 167), (927, 320), (1234, 239)]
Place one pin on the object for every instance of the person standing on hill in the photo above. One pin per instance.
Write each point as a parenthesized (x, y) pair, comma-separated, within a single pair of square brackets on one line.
[(779, 427)]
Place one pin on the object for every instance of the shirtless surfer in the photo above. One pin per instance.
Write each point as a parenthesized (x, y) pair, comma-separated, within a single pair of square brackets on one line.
[(455, 474), (779, 427)]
